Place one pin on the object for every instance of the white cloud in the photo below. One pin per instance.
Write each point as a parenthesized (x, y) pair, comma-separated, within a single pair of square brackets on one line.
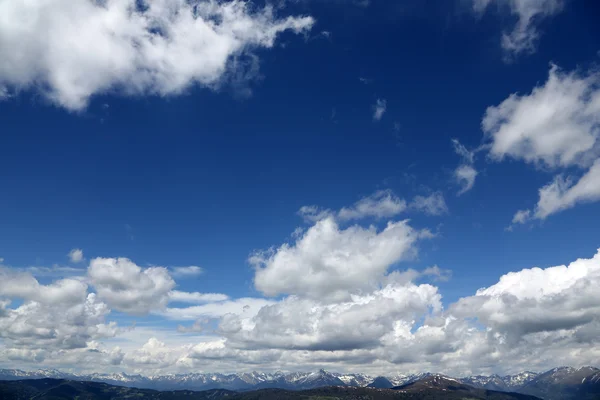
[(381, 204), (467, 155), (186, 271), (465, 176), (379, 109), (538, 300), (24, 286), (313, 213), (521, 216), (527, 320), (60, 315), (561, 194), (328, 262), (525, 35), (556, 126), (195, 297), (434, 204), (127, 287), (71, 51), (438, 274), (243, 306), (76, 255), (54, 271), (304, 324)]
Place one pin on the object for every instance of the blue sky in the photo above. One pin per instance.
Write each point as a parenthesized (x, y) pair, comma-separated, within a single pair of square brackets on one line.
[(213, 171)]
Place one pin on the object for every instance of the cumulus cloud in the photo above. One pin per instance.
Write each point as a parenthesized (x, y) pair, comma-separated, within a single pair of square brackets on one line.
[(71, 51), (129, 288), (59, 315), (524, 36), (379, 109), (76, 255), (527, 320), (22, 285), (305, 324), (524, 321), (538, 300), (328, 262), (556, 126)]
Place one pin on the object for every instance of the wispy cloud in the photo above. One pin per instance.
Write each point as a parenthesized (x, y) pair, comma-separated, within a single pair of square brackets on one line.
[(76, 255), (465, 174), (379, 109), (192, 270)]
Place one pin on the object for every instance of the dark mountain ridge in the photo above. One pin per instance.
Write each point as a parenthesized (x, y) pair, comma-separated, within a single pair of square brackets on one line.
[(431, 388), (558, 383)]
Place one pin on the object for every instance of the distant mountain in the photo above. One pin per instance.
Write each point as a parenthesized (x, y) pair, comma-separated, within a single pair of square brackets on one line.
[(432, 388), (59, 389), (443, 387), (381, 382), (504, 383), (565, 383), (559, 383)]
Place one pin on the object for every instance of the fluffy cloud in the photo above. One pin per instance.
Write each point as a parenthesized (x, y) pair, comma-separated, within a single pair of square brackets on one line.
[(328, 262), (534, 301), (527, 320), (305, 324), (76, 255), (127, 287), (524, 36), (24, 286), (556, 126), (60, 315), (379, 109), (71, 51)]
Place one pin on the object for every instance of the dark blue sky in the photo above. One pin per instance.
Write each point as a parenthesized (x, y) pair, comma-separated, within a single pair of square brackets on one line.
[(207, 177)]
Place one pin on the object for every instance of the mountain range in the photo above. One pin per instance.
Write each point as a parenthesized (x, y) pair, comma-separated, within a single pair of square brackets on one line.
[(429, 388), (555, 384)]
